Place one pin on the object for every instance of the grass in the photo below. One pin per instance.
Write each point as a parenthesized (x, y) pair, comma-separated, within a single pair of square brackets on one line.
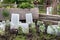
[(20, 38)]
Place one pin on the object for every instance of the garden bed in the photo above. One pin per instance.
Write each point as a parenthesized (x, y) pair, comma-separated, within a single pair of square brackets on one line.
[(35, 33)]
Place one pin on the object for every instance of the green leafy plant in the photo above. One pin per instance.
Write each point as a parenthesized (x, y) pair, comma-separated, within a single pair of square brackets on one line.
[(32, 31), (7, 31), (32, 25), (43, 36), (2, 32), (5, 13), (20, 38), (40, 23), (26, 5), (32, 28), (20, 31), (7, 28), (41, 26), (20, 35)]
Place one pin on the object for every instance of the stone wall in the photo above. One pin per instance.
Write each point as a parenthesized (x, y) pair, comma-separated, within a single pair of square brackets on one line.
[(21, 12)]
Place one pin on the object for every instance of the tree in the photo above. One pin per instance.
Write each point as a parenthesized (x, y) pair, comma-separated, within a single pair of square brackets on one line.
[(17, 1), (54, 5), (8, 1)]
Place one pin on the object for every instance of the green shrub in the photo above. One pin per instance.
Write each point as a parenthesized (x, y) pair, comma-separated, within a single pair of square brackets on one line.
[(41, 26), (5, 13), (26, 5), (32, 29), (20, 31), (8, 1), (2, 32)]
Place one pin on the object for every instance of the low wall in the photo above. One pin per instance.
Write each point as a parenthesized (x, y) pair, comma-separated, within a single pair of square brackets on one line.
[(21, 12)]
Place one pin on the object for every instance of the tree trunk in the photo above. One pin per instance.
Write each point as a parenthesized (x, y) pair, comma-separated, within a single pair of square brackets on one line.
[(54, 5)]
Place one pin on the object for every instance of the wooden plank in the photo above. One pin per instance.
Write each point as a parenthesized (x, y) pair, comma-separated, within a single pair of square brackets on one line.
[(54, 19), (50, 21)]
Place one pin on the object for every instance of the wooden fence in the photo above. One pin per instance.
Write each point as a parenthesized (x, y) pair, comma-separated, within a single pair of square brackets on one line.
[(54, 19)]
